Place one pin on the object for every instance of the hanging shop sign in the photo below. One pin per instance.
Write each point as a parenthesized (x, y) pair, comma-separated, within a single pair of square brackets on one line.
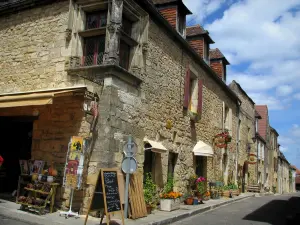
[(221, 140), (74, 163), (252, 159)]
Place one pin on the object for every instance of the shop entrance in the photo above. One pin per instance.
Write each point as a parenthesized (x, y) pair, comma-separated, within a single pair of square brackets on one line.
[(16, 139)]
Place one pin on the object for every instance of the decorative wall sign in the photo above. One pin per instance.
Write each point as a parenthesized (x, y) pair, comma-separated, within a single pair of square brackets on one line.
[(252, 158), (74, 163)]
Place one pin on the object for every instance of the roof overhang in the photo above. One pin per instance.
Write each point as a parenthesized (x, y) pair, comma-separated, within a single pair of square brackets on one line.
[(39, 97), (156, 147), (202, 149)]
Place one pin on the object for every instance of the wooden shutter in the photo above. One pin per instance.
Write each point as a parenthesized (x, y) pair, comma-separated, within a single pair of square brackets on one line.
[(187, 88), (200, 96)]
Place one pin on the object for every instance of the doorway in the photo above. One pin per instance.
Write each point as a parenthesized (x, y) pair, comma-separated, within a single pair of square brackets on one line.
[(16, 140)]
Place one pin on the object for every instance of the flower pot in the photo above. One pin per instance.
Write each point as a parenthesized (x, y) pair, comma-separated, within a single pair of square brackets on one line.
[(149, 209), (196, 201), (50, 179), (169, 204), (189, 201), (226, 193)]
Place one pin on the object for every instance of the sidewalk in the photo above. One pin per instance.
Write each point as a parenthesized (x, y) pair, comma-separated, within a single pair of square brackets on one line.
[(11, 210)]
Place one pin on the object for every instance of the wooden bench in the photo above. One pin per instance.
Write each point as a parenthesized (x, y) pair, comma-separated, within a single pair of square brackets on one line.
[(253, 188)]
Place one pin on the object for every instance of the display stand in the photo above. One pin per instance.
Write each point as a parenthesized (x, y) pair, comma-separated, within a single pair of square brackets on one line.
[(70, 213)]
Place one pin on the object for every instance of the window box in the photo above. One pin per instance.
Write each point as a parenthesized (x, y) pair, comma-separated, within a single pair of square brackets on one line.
[(169, 204)]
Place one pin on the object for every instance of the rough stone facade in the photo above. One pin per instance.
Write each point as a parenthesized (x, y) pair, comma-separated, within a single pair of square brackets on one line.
[(246, 133), (35, 58)]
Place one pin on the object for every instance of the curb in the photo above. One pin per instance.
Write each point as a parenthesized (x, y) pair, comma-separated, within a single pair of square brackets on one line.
[(195, 212)]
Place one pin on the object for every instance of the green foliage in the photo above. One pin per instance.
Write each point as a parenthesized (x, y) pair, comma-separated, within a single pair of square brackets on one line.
[(169, 185), (290, 175), (230, 187), (201, 187), (150, 190)]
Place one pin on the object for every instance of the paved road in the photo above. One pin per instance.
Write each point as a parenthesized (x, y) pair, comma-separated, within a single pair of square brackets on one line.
[(7, 221), (253, 211)]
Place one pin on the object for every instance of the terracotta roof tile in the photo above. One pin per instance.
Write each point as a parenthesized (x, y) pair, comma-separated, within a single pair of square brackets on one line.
[(262, 123), (217, 54), (195, 30)]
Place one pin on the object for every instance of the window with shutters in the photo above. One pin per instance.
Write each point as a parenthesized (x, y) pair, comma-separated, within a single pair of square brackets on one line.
[(193, 94)]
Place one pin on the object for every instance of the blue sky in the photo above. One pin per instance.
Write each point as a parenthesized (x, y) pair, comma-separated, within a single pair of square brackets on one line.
[(261, 40)]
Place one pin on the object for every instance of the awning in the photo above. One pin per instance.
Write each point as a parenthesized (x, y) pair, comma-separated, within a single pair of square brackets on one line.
[(202, 149), (41, 97), (156, 146)]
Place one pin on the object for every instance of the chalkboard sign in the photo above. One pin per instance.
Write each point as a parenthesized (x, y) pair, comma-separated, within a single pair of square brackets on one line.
[(97, 202), (106, 195), (112, 196)]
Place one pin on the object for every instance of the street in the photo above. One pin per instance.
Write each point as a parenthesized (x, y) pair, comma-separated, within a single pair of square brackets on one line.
[(8, 221), (253, 211)]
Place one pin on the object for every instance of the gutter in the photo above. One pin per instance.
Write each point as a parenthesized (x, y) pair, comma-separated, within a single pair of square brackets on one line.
[(146, 4)]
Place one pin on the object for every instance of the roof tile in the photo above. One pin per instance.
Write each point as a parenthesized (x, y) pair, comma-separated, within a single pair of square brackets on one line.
[(262, 123), (195, 30)]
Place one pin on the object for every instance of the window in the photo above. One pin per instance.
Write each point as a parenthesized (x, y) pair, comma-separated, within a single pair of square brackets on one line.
[(239, 130), (126, 26), (259, 151), (172, 163), (193, 101), (148, 161), (206, 52), (181, 24), (200, 166), (93, 50), (124, 55), (256, 125), (96, 20)]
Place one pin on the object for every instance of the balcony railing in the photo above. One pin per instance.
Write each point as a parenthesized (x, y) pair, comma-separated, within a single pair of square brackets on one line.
[(92, 60)]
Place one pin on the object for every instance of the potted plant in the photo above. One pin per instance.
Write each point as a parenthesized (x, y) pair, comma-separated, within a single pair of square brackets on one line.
[(206, 196), (169, 200), (200, 184), (188, 199), (150, 193)]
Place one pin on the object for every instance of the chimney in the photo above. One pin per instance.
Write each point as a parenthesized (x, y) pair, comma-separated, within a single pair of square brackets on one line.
[(218, 63), (174, 11), (199, 40)]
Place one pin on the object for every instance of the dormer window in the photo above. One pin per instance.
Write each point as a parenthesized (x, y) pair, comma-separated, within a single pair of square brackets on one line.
[(206, 52), (181, 24)]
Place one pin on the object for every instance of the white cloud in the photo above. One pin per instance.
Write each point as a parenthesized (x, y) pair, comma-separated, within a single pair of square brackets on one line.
[(297, 96), (284, 90), (264, 99), (295, 131), (202, 8)]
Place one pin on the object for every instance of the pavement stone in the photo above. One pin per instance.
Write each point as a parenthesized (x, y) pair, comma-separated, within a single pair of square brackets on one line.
[(11, 210)]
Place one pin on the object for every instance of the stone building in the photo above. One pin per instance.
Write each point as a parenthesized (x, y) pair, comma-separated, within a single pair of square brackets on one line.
[(273, 157), (261, 146), (247, 172), (264, 136), (284, 175), (134, 61)]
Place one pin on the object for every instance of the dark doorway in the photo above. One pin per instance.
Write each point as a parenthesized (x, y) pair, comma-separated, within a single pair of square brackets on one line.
[(200, 163), (16, 139)]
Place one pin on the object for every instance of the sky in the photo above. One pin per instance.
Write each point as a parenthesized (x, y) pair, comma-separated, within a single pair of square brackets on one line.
[(261, 40)]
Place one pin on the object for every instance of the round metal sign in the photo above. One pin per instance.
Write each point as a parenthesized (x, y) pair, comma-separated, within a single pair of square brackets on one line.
[(129, 165), (130, 149)]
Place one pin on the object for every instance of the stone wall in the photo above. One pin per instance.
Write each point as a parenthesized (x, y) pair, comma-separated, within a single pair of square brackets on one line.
[(247, 132), (33, 49)]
